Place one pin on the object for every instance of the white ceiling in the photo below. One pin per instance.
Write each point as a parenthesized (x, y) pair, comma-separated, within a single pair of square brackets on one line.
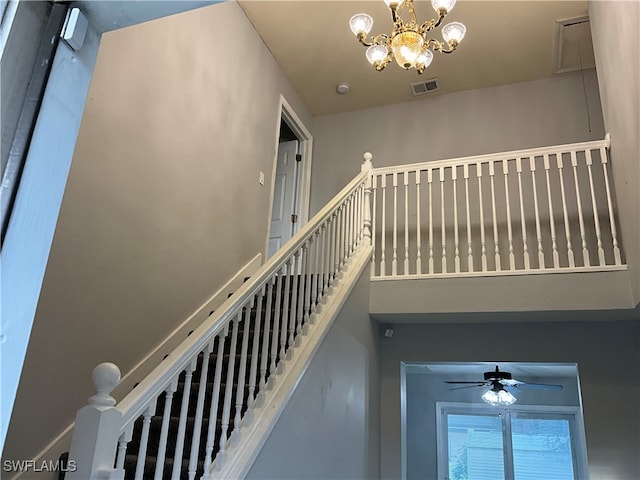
[(506, 42)]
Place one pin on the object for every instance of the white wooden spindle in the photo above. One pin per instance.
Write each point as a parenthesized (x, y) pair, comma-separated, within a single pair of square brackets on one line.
[(383, 221), (374, 232), (532, 169), (394, 258), (523, 219), (242, 371), (286, 300), (405, 270), (443, 223), (277, 316), (483, 240), (505, 172), (466, 197), (567, 230), (123, 441), (456, 236), (344, 211), (294, 298), (335, 245), (213, 407), (612, 220), (268, 326), (182, 422), (322, 261), (418, 226), (257, 332), (164, 429), (197, 426), (594, 206), (430, 185), (330, 248), (301, 288), (228, 390), (314, 270), (583, 235), (495, 220), (144, 439), (308, 279), (552, 223), (327, 249)]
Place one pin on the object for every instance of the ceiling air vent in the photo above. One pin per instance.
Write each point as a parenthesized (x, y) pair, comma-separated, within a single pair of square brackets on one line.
[(427, 86), (573, 47)]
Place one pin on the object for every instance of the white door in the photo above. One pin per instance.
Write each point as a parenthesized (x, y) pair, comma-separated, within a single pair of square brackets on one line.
[(285, 196)]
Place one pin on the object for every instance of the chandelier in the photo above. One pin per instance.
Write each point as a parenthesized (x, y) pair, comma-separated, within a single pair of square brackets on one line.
[(408, 42)]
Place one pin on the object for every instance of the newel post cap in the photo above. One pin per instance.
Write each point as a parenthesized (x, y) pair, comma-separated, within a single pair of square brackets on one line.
[(105, 378), (367, 165)]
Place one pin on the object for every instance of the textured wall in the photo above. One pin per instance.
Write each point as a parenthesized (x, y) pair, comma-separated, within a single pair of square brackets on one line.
[(162, 204)]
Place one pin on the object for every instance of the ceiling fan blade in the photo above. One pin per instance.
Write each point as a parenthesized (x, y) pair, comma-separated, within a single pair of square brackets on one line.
[(482, 382), (538, 386), (469, 386)]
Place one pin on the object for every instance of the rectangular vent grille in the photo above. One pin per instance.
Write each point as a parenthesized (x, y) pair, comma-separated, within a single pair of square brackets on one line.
[(427, 86)]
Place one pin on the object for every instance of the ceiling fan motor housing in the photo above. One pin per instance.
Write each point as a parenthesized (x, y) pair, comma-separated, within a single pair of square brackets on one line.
[(497, 375)]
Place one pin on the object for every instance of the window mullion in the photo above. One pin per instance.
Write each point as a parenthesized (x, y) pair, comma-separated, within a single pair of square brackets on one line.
[(507, 445)]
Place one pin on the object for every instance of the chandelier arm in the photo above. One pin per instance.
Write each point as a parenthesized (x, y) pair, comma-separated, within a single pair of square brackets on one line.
[(428, 26)]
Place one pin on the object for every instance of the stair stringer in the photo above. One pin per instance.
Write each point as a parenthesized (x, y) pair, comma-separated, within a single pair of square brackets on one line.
[(247, 441)]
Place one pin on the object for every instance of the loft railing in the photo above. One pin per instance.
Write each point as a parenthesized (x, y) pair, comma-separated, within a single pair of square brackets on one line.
[(221, 371), (528, 211)]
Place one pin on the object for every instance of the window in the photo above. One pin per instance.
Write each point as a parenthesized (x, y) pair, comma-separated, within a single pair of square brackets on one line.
[(514, 443)]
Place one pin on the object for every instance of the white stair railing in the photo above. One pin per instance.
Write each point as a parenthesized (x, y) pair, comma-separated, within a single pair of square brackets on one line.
[(187, 413), (528, 211)]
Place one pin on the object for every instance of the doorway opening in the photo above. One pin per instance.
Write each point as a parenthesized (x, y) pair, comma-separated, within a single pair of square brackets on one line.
[(291, 179)]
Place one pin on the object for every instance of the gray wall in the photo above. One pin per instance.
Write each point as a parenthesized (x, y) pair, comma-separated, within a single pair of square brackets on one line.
[(162, 204), (608, 364), (616, 42), (331, 426), (488, 120)]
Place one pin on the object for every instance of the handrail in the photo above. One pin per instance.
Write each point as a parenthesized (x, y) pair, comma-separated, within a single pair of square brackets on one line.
[(487, 157), (135, 402)]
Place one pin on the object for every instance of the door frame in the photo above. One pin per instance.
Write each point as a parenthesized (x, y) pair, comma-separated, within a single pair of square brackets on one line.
[(287, 114)]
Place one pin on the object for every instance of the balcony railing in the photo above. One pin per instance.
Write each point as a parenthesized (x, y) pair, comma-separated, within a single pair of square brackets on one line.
[(539, 210)]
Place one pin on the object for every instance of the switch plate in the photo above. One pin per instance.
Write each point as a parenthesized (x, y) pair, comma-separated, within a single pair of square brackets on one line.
[(261, 179)]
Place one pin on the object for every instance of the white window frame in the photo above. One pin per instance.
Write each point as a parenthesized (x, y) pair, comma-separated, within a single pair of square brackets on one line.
[(573, 414)]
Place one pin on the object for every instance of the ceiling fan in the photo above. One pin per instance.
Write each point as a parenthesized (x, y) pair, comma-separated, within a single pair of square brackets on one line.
[(501, 384)]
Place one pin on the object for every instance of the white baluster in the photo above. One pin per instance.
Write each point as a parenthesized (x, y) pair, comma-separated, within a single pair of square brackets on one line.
[(228, 390), (242, 372), (335, 244), (483, 241), (144, 439), (213, 408), (394, 260), (495, 220), (330, 249), (164, 429), (294, 297), (344, 211), (612, 221), (405, 175), (466, 197), (286, 299), (552, 223), (197, 427), (124, 439), (374, 232), (327, 246), (532, 168), (456, 239), (583, 236), (430, 184), (257, 331), (276, 320), (268, 325), (418, 227), (314, 270), (594, 206), (97, 428), (523, 219), (383, 232), (301, 288), (512, 257), (182, 422), (443, 222), (567, 230)]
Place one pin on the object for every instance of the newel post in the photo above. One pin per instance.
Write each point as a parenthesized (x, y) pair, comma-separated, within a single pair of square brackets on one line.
[(366, 214), (96, 430)]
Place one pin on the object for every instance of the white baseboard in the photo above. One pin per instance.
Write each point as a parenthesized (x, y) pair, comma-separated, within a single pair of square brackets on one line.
[(62, 442)]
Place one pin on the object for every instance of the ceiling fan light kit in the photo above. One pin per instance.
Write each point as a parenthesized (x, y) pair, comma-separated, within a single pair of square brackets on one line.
[(408, 42)]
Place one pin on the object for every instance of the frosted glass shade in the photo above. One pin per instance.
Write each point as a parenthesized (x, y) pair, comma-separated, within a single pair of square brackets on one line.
[(376, 53), (406, 47), (498, 397), (361, 23), (424, 59), (453, 32), (446, 5)]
